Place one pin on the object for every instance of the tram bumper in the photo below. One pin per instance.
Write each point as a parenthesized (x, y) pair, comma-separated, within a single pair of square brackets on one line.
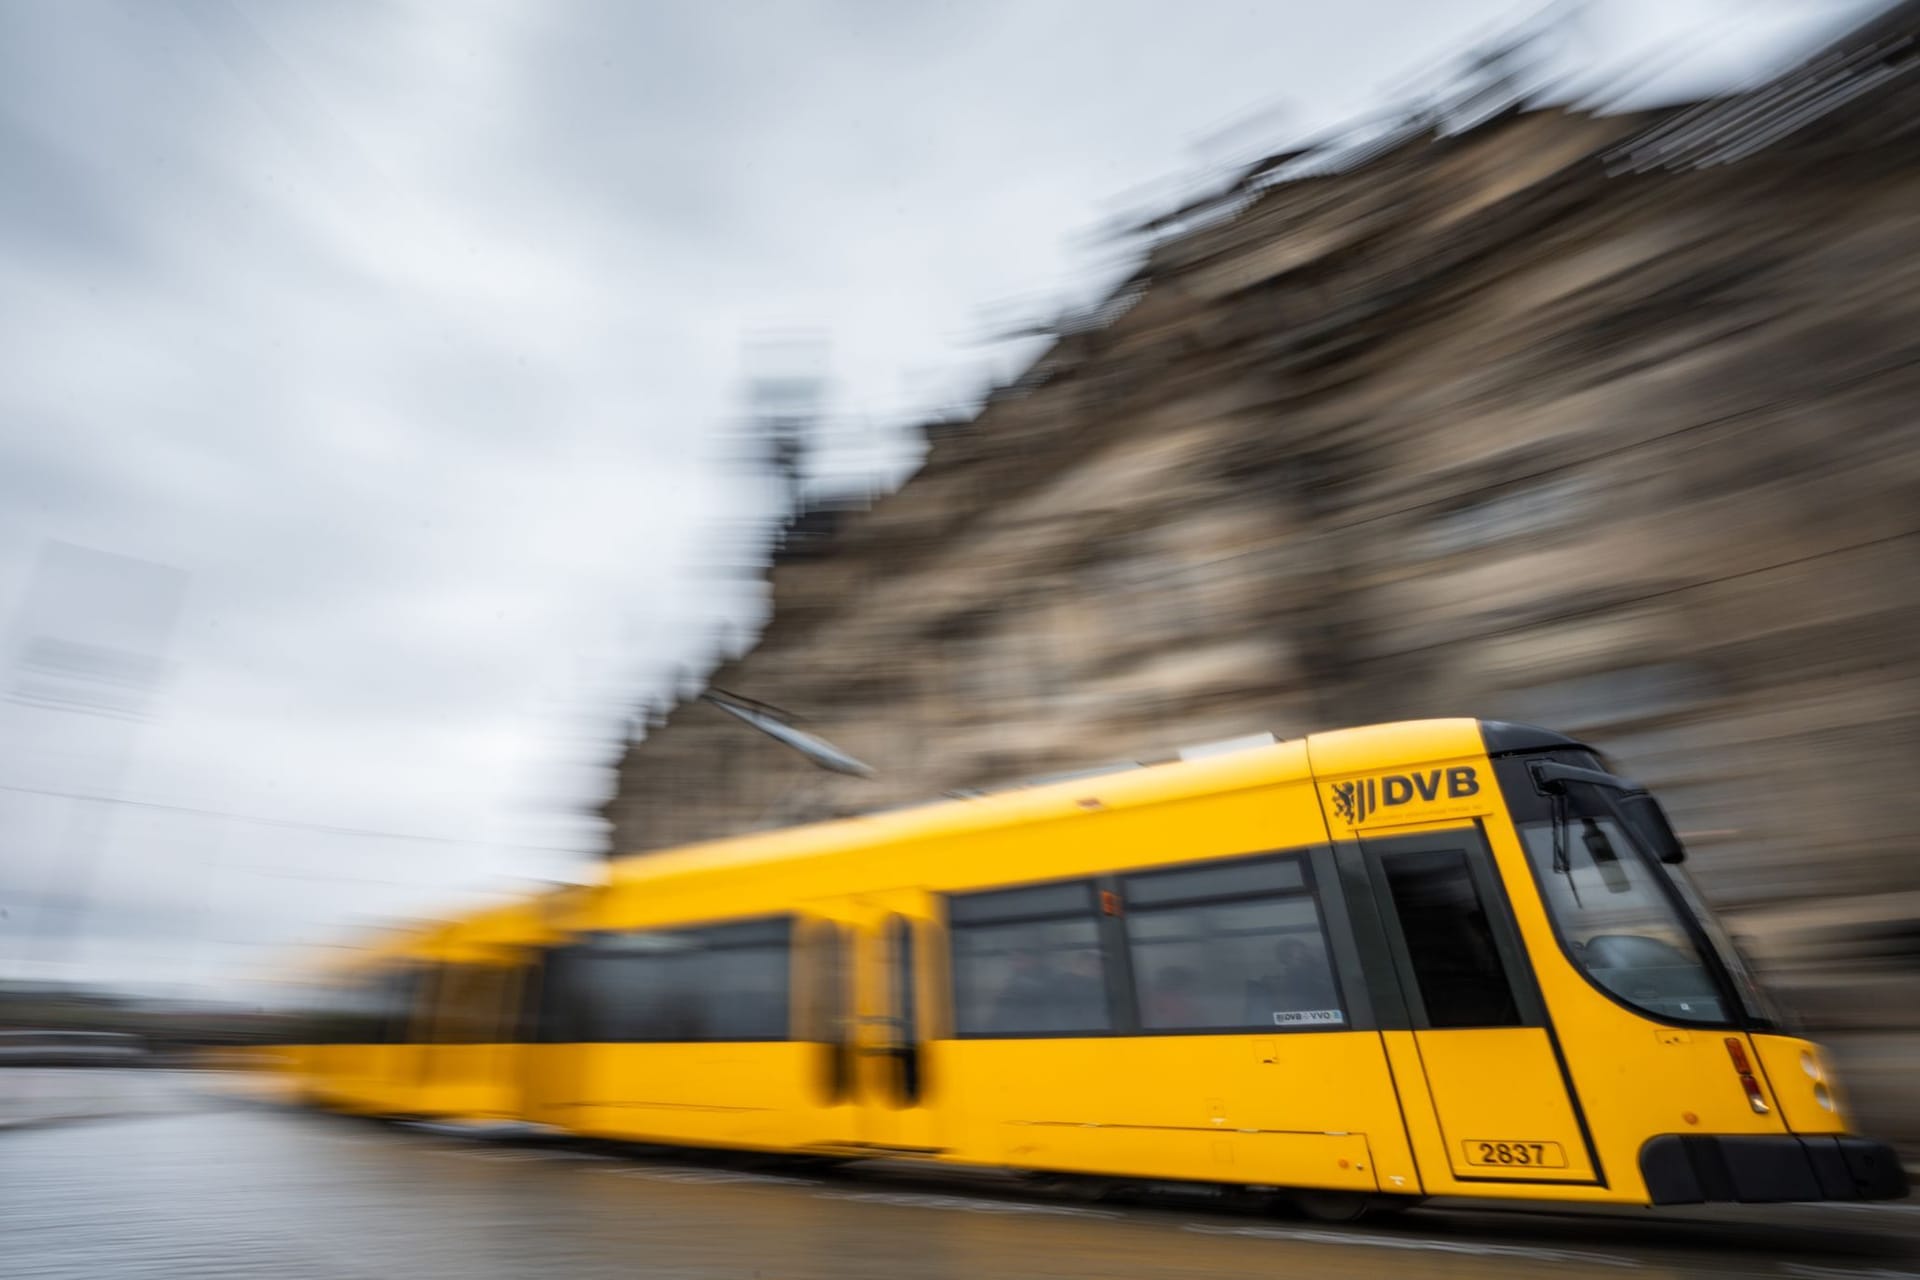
[(1768, 1169)]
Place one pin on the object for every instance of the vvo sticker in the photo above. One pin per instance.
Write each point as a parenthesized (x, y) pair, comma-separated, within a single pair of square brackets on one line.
[(1309, 1018)]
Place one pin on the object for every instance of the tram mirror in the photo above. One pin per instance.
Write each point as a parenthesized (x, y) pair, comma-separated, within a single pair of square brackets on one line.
[(1649, 822), (1606, 859)]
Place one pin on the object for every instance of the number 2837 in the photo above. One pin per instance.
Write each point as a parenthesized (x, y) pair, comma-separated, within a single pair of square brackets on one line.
[(1543, 1155)]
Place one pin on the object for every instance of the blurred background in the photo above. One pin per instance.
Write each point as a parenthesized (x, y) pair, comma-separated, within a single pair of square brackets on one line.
[(407, 411)]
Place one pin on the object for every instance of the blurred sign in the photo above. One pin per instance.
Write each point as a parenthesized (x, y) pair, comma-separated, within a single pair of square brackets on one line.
[(92, 631)]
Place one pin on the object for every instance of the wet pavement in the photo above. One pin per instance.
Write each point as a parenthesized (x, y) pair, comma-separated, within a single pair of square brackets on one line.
[(190, 1180), (32, 1096)]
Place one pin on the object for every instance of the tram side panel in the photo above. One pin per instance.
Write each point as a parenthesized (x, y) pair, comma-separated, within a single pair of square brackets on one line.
[(1170, 991), (1166, 990)]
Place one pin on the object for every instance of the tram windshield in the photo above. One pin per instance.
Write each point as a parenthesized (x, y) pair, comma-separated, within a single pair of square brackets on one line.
[(1623, 914)]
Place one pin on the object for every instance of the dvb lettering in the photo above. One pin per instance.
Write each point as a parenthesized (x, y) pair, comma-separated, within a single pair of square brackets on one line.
[(1355, 801), (1398, 788)]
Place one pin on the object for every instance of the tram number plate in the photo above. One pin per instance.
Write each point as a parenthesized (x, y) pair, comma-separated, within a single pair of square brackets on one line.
[(1513, 1155)]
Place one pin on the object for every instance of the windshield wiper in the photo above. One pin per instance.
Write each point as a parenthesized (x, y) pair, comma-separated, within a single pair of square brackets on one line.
[(1562, 865)]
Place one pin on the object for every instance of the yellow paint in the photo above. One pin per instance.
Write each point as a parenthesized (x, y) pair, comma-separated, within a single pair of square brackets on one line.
[(1501, 1085), (1795, 1070)]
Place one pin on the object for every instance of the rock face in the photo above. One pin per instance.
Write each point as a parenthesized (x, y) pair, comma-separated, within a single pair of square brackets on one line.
[(1607, 424)]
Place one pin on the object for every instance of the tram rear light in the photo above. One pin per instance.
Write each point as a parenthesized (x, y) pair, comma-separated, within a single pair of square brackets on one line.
[(1755, 1098)]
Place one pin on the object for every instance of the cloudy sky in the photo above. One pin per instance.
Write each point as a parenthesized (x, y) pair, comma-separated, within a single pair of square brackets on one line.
[(366, 375)]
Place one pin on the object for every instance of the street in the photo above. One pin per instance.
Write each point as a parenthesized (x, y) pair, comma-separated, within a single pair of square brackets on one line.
[(173, 1174)]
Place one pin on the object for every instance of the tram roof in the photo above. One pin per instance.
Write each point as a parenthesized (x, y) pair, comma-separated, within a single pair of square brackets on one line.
[(1125, 786)]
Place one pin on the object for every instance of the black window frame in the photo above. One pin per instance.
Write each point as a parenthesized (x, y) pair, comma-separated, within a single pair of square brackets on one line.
[(1041, 900)]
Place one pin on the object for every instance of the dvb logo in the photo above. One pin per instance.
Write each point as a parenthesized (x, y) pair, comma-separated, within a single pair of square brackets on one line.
[(1359, 800)]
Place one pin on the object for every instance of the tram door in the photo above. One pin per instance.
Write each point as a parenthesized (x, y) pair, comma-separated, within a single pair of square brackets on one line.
[(551, 1063), (461, 1064), (1498, 1092), (892, 1079)]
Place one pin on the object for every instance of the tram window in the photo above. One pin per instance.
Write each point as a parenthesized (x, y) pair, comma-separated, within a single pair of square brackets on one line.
[(531, 1004), (744, 993), (1230, 947), (622, 997), (372, 998), (376, 1010), (722, 983), (1618, 921), (497, 1016), (1026, 976), (398, 1005), (1233, 965), (470, 1004), (352, 1014), (1462, 981), (446, 1012), (558, 1014)]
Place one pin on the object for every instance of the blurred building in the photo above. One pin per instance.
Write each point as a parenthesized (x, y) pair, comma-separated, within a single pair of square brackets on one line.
[(1605, 423)]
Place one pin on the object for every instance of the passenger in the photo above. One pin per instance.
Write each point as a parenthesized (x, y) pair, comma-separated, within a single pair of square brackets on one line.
[(1303, 983)]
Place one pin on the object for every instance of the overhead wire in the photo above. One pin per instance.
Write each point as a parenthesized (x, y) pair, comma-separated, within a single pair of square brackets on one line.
[(294, 824)]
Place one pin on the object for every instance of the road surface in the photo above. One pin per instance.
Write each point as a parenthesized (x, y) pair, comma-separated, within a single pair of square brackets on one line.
[(188, 1180)]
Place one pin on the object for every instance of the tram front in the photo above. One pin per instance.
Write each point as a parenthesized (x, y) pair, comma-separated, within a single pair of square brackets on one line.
[(1563, 1016), (1686, 1073)]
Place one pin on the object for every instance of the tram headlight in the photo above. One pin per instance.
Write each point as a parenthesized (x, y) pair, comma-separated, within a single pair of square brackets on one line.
[(1823, 1096), (1809, 1064)]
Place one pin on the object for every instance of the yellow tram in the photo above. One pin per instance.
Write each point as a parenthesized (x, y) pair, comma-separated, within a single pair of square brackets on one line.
[(1437, 958)]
